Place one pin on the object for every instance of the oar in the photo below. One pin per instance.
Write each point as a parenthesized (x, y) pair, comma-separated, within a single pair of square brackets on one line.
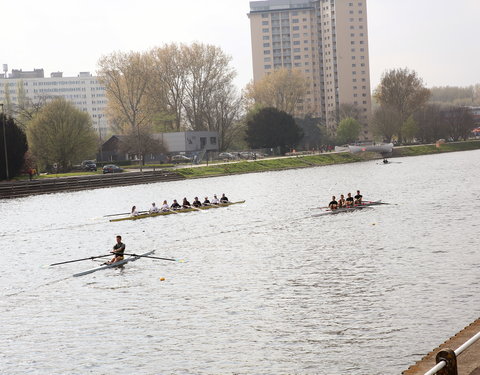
[(125, 213), (149, 256), (79, 260)]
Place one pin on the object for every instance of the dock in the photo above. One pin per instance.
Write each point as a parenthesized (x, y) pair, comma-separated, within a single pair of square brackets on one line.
[(468, 362)]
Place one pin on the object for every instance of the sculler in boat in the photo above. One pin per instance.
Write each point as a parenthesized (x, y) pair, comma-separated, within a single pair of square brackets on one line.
[(385, 161), (349, 200), (358, 198), (196, 202), (118, 250), (223, 199), (206, 202), (342, 202), (215, 199), (153, 209), (175, 205), (333, 205), (185, 203), (134, 211), (165, 206)]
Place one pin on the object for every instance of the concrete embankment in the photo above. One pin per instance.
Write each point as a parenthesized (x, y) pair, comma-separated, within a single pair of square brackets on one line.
[(15, 189), (468, 362)]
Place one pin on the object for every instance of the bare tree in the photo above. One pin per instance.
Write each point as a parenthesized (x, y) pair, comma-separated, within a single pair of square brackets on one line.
[(167, 86), (459, 122), (223, 113), (283, 89), (126, 77), (431, 123), (403, 92), (208, 71)]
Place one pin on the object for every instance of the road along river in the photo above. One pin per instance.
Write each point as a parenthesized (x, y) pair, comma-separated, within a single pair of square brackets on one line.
[(266, 286)]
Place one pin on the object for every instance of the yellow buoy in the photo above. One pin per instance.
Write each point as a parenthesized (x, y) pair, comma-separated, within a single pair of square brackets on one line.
[(162, 279)]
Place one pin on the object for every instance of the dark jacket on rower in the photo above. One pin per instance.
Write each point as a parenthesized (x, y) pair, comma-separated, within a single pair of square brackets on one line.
[(223, 199), (206, 202), (186, 203), (175, 206), (119, 249), (196, 203)]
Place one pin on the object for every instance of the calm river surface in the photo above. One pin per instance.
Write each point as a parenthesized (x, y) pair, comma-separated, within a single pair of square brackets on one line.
[(266, 287)]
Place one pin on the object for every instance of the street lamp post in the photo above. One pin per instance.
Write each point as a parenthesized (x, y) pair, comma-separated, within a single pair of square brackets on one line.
[(5, 142)]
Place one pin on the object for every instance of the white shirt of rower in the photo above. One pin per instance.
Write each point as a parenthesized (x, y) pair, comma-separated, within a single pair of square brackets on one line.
[(153, 209), (134, 212), (214, 200), (165, 207)]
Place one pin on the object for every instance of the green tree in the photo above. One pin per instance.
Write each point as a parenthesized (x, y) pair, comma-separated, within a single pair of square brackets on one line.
[(270, 128), (62, 134), (348, 130), (385, 122), (16, 141), (403, 92), (409, 129)]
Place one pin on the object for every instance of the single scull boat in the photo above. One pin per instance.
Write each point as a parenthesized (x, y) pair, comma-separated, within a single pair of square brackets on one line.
[(116, 264)]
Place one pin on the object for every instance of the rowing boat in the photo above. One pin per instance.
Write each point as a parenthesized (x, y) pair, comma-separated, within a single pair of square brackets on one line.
[(362, 206), (116, 264), (182, 210)]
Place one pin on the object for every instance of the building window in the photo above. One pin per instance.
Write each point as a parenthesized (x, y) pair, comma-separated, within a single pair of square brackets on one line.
[(265, 23), (266, 45), (265, 30), (264, 15), (267, 67), (266, 52), (296, 28), (266, 37), (267, 59)]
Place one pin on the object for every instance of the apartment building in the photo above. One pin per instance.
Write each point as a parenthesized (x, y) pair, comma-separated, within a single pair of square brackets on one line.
[(84, 91), (327, 40)]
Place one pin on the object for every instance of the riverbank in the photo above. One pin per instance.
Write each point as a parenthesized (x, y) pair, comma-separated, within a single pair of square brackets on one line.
[(13, 189), (319, 160)]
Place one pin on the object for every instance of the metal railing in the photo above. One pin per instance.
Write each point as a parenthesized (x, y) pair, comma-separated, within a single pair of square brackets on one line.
[(447, 359)]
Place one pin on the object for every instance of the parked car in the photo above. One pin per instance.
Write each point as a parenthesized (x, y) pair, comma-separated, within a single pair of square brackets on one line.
[(112, 168), (89, 165), (176, 159), (226, 156)]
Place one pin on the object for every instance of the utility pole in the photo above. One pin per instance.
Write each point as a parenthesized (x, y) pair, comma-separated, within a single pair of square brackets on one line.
[(5, 142)]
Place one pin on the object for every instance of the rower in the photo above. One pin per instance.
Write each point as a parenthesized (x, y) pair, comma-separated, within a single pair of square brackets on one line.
[(175, 205), (349, 200), (215, 199), (118, 250), (206, 202), (358, 198), (165, 207), (196, 202), (333, 205), (153, 209), (341, 202), (185, 203), (134, 211), (385, 161), (223, 199)]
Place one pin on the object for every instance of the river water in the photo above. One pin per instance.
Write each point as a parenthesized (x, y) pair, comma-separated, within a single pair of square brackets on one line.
[(264, 287)]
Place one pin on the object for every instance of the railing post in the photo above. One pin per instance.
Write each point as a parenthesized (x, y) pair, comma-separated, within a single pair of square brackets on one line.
[(450, 358)]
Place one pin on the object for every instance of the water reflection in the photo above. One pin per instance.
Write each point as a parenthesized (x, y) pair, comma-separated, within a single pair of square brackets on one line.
[(267, 287)]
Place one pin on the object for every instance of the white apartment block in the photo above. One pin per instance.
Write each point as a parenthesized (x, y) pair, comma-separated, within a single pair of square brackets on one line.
[(84, 91), (327, 40)]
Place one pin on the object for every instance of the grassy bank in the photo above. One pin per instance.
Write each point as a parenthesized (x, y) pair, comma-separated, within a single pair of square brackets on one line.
[(271, 165), (318, 160), (432, 149)]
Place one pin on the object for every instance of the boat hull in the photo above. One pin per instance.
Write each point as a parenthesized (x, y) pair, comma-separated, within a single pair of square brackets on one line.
[(183, 210), (114, 265)]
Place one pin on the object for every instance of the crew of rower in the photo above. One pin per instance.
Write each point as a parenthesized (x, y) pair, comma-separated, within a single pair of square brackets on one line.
[(346, 202), (185, 204)]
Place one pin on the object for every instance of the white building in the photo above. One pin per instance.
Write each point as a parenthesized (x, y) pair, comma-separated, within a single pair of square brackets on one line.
[(84, 91)]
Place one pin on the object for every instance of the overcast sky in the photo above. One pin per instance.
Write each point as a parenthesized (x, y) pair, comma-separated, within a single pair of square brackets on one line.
[(437, 38)]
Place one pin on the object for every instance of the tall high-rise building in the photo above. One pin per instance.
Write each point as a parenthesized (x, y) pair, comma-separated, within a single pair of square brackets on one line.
[(327, 40), (84, 91)]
